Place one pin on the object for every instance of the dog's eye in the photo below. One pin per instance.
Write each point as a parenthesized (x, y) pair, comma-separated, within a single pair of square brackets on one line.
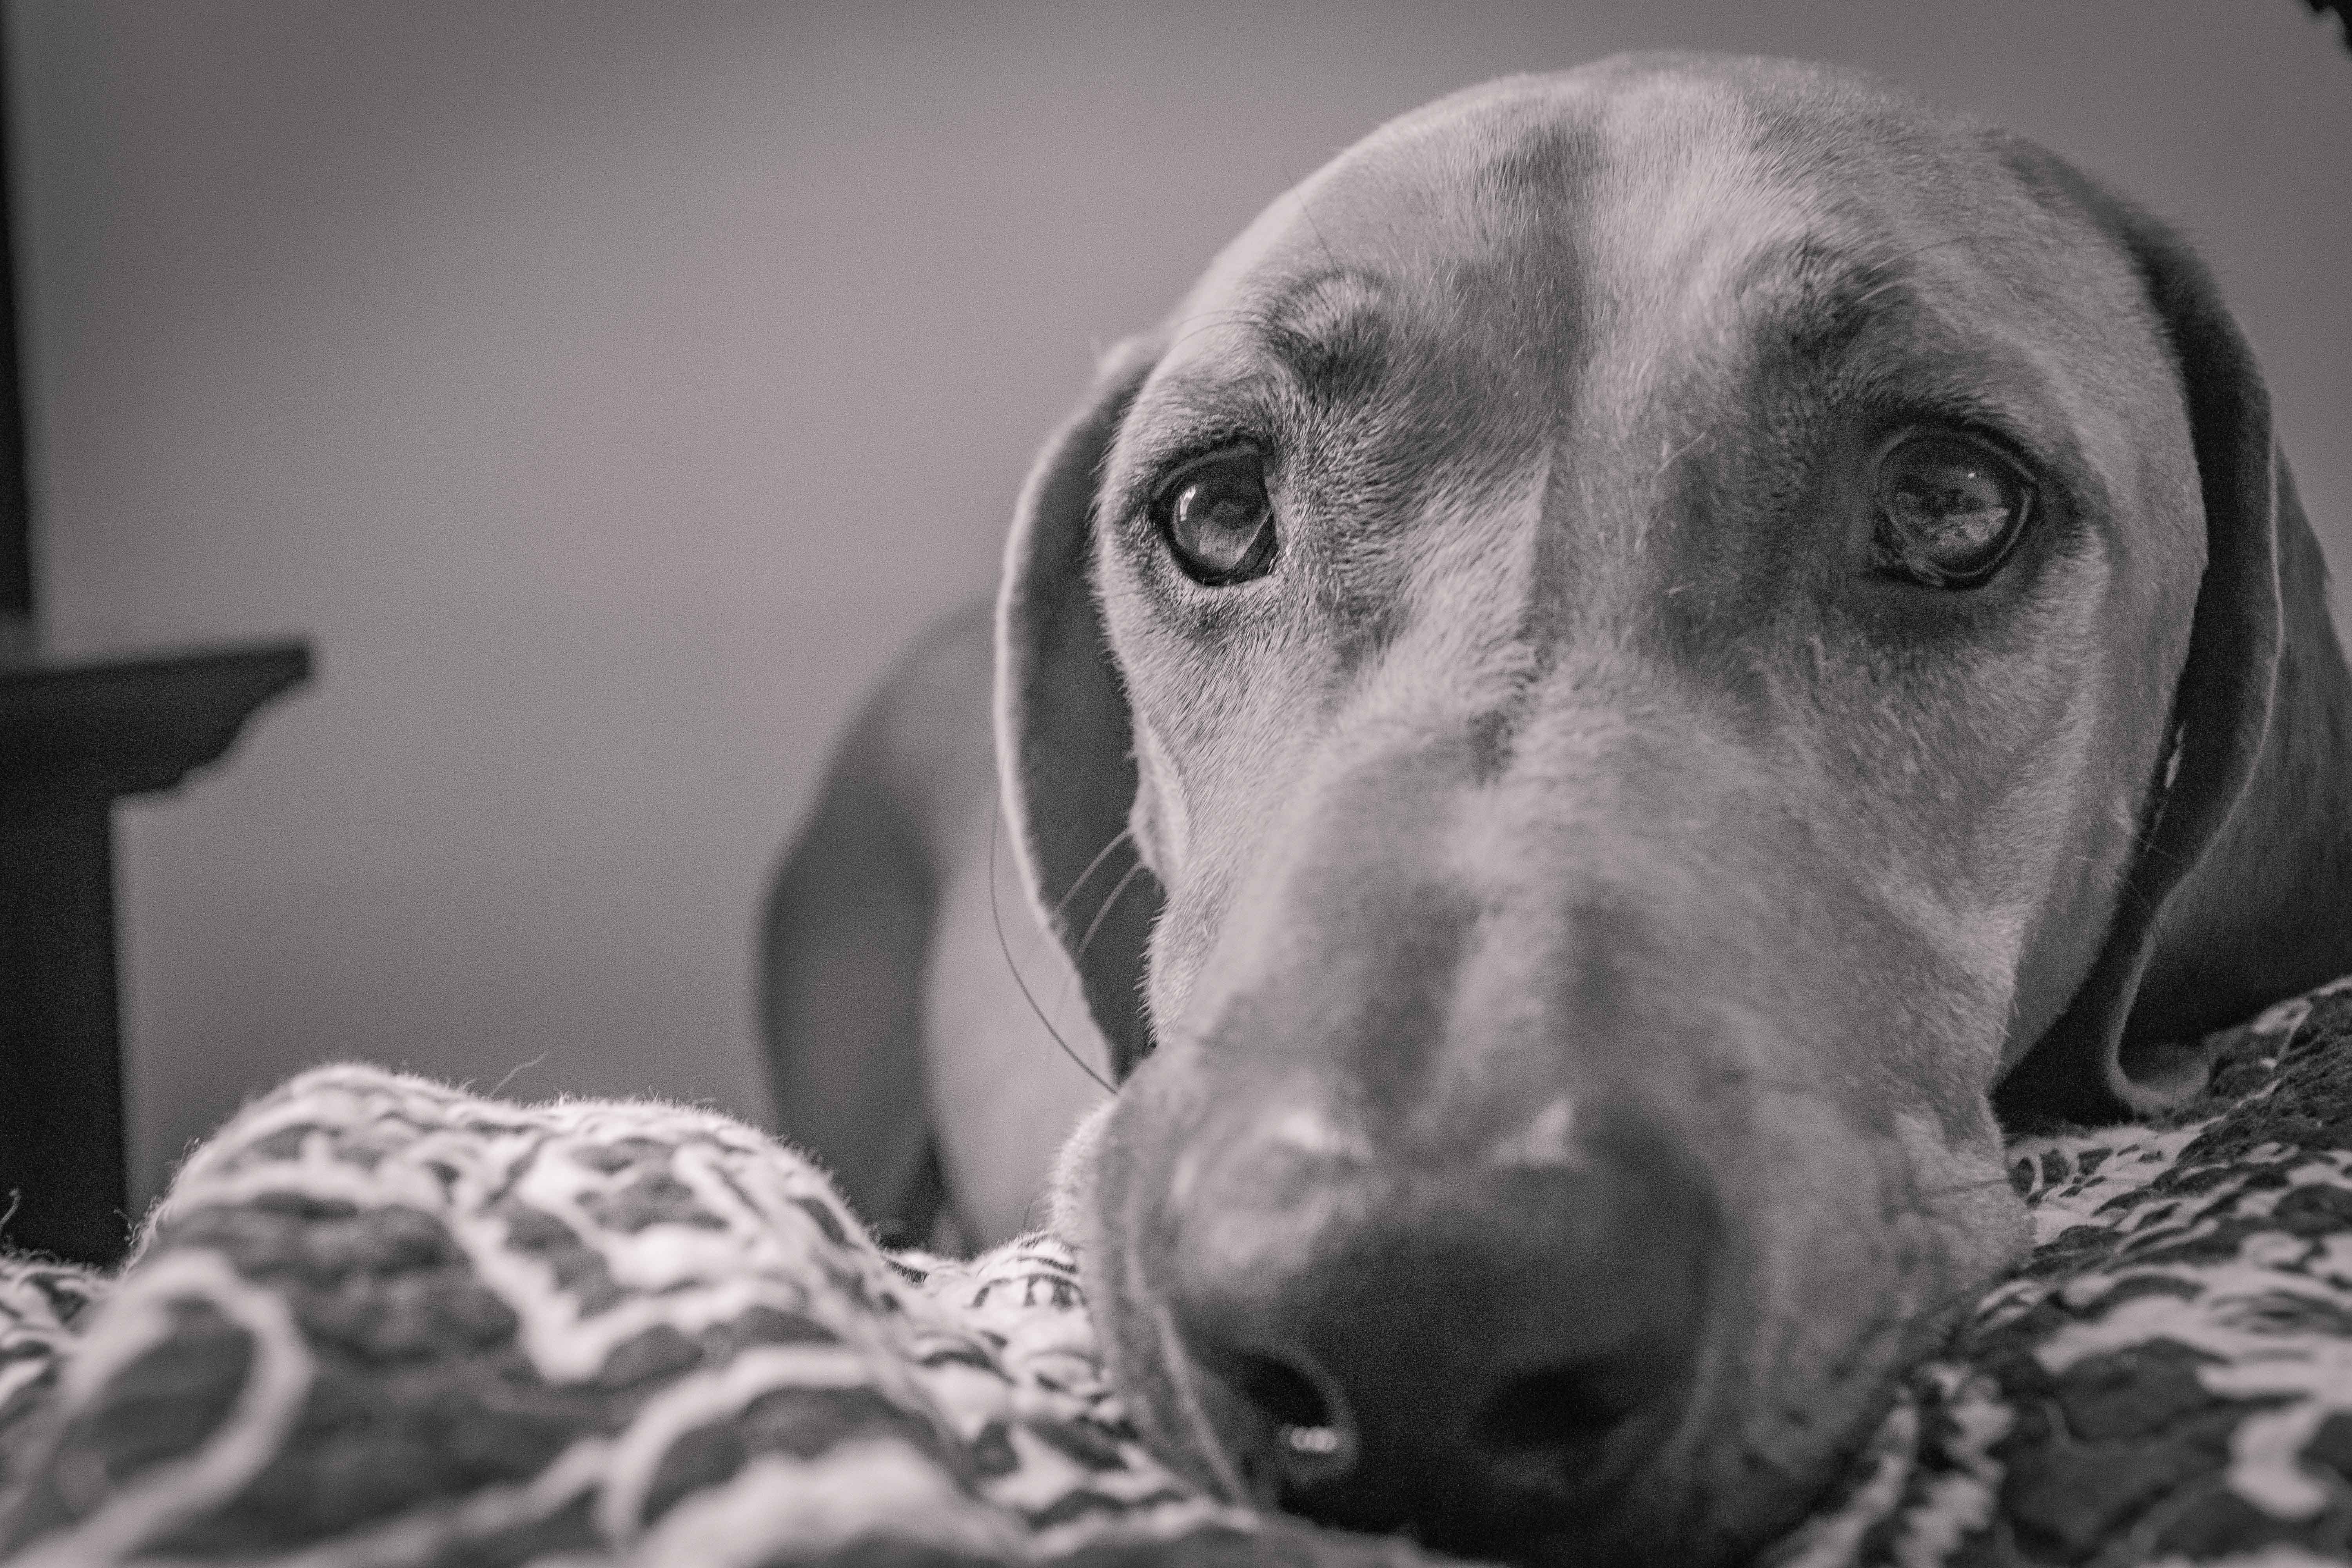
[(1217, 519), (1948, 509)]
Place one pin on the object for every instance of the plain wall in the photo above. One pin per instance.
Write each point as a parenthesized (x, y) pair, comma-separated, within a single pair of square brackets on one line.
[(610, 390)]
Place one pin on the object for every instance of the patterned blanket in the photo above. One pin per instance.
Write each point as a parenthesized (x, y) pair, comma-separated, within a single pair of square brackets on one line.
[(378, 1320)]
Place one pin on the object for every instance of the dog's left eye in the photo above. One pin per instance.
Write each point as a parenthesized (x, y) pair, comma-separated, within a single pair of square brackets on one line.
[(1948, 509), (1217, 519)]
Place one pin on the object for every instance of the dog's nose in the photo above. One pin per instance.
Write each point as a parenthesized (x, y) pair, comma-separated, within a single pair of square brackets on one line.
[(1473, 1350)]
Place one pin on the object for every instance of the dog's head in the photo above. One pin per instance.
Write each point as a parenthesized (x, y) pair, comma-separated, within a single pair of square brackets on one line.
[(1656, 632)]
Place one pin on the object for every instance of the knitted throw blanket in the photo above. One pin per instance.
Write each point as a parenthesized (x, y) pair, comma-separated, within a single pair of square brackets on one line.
[(378, 1320)]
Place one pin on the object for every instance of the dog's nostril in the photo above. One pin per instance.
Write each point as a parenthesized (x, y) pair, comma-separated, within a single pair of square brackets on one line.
[(1281, 1391), (1560, 1409), (1311, 1444), (1561, 1419)]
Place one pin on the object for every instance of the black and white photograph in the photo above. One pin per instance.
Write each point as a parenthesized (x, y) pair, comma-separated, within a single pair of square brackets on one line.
[(1174, 784)]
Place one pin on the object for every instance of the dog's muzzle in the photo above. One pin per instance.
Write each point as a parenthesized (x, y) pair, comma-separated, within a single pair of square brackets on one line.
[(1513, 1173)]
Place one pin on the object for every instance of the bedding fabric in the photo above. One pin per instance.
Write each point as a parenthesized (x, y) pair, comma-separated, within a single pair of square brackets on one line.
[(378, 1320)]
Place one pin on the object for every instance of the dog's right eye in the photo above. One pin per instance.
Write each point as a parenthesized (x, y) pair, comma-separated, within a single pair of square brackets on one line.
[(1950, 509), (1217, 519)]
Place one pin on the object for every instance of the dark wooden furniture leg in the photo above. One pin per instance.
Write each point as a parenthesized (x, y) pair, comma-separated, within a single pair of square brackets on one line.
[(61, 1144), (74, 739)]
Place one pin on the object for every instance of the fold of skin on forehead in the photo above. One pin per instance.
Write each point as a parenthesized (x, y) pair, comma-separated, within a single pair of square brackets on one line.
[(1573, 750)]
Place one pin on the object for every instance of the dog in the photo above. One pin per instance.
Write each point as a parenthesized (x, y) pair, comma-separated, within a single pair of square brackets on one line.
[(1649, 659)]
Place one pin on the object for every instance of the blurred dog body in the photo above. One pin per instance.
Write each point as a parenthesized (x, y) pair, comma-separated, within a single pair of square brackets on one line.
[(928, 1038)]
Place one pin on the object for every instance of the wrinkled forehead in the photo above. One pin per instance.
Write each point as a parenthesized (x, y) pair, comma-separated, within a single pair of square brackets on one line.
[(1646, 206)]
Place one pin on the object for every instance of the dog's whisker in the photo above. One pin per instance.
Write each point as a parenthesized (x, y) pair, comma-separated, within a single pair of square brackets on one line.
[(1921, 249), (1094, 925), (996, 919), (1180, 1384), (1677, 455), (1313, 227), (1207, 320), (1078, 952), (1093, 866)]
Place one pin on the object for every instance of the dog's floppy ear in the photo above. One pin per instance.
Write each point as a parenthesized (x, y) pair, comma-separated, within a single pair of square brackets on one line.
[(1064, 746), (2242, 891)]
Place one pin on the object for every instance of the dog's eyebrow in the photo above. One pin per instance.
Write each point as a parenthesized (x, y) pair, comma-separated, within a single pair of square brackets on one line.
[(1328, 335), (1861, 316), (1817, 297), (1330, 330)]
